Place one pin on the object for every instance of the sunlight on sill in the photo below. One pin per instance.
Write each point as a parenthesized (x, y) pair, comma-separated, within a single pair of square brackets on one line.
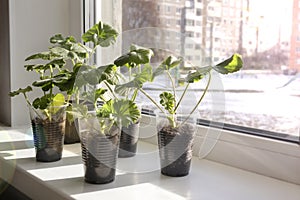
[(61, 172), (145, 191), (58, 173)]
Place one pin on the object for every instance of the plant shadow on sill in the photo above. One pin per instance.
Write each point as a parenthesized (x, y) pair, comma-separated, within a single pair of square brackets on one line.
[(31, 163), (9, 192)]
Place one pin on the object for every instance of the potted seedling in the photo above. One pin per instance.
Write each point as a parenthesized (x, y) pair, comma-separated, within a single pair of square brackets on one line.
[(136, 76), (47, 112), (73, 54), (175, 127), (100, 34), (100, 129)]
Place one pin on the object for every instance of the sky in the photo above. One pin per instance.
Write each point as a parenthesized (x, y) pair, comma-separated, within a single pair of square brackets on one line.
[(277, 16)]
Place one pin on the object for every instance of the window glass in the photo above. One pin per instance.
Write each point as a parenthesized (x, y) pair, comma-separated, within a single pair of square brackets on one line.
[(265, 94)]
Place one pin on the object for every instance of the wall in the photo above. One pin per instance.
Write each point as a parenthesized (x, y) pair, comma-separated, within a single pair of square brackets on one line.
[(4, 64), (31, 23)]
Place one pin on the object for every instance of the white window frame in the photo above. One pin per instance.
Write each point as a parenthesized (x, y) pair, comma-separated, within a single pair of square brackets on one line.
[(273, 158)]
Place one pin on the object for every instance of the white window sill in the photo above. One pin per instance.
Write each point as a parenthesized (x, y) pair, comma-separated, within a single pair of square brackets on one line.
[(64, 179), (273, 158)]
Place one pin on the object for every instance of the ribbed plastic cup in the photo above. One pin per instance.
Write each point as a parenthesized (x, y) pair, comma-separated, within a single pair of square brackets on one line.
[(175, 144), (128, 141), (129, 137), (48, 133), (99, 151)]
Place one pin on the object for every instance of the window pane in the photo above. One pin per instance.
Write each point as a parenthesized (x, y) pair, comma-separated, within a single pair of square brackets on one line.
[(265, 94)]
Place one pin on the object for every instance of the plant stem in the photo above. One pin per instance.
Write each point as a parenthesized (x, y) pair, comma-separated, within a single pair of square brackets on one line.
[(129, 70), (202, 96), (134, 95), (152, 100), (68, 100), (28, 102), (110, 89), (183, 94), (51, 76), (173, 86)]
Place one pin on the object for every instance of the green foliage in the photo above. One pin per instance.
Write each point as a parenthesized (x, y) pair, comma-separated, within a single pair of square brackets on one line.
[(169, 63), (42, 55), (100, 34), (20, 91), (199, 74), (137, 82), (167, 100), (123, 110), (94, 95), (135, 57), (230, 65), (53, 74)]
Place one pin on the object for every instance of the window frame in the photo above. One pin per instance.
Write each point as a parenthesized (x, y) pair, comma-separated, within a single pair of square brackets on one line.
[(249, 149)]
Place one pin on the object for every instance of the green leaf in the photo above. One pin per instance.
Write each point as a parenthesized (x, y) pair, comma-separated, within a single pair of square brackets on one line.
[(100, 34), (81, 72), (197, 75), (169, 63), (70, 39), (137, 82), (56, 103), (20, 90), (167, 100), (58, 38), (230, 65), (99, 94), (43, 55), (59, 63), (127, 111), (45, 84), (122, 109), (80, 48), (40, 83), (91, 77), (60, 51), (37, 67), (122, 60), (58, 100), (65, 81), (106, 110), (107, 73), (136, 56), (43, 102)]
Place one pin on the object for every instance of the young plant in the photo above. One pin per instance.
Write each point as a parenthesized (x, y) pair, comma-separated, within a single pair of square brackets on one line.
[(168, 103), (168, 100), (63, 52), (99, 35), (116, 108), (106, 77), (52, 74)]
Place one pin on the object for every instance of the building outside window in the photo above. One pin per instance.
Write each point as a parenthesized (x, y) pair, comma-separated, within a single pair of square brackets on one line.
[(261, 98)]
